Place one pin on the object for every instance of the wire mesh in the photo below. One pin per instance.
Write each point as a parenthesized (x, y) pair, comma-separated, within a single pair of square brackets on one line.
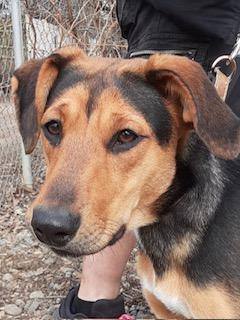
[(47, 25), (9, 136)]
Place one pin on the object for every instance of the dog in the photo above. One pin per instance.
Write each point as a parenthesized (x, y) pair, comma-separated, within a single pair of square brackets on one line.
[(144, 145)]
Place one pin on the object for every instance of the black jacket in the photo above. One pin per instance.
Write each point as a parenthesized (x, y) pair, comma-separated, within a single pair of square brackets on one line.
[(208, 28)]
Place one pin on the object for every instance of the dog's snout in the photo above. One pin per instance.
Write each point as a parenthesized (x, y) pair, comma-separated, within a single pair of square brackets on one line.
[(54, 226)]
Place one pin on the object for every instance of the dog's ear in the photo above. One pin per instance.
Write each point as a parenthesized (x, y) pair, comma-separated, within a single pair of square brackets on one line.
[(180, 79), (31, 86)]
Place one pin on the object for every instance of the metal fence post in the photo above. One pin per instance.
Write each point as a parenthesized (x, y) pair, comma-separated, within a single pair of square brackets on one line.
[(19, 59)]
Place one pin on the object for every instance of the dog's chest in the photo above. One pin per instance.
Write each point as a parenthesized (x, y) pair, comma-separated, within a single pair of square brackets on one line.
[(169, 289), (171, 300)]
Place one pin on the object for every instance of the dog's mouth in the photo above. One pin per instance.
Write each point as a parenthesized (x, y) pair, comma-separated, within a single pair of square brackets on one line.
[(70, 252), (117, 236)]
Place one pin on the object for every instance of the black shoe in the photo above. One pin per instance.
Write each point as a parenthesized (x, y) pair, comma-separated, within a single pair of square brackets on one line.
[(103, 308)]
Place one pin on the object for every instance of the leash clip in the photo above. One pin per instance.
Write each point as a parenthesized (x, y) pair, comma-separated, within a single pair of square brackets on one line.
[(222, 79), (228, 62)]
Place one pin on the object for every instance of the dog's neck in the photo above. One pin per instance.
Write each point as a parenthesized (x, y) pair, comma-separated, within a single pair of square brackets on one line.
[(200, 178), (186, 209)]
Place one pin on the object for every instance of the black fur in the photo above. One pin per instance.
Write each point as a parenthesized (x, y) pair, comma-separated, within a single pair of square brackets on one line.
[(67, 78), (27, 77), (26, 112), (146, 99), (218, 257), (96, 83), (203, 201), (189, 208)]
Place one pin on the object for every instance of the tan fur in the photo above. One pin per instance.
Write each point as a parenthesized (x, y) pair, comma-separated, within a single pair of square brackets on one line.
[(109, 190), (211, 302), (102, 178), (188, 84), (158, 308), (183, 249), (46, 78), (15, 99), (71, 53)]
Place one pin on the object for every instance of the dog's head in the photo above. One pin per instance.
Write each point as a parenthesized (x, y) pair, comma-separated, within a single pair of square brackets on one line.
[(111, 130)]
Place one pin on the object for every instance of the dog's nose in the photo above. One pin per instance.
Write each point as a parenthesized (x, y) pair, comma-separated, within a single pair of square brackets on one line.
[(54, 225)]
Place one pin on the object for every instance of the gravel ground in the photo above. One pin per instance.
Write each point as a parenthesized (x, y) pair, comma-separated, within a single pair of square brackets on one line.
[(33, 279)]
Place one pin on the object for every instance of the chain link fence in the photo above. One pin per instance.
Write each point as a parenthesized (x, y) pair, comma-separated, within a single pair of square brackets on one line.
[(46, 25)]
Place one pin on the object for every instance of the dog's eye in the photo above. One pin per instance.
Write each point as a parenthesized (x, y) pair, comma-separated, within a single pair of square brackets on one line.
[(126, 136), (53, 131), (53, 127), (123, 141)]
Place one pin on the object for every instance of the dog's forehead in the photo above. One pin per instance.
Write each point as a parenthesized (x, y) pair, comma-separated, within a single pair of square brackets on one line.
[(95, 73), (126, 77)]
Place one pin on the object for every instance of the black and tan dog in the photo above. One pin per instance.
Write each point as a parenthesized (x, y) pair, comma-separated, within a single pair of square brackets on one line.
[(136, 144)]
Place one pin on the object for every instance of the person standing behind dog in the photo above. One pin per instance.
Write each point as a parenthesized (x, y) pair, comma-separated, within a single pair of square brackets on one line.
[(200, 30)]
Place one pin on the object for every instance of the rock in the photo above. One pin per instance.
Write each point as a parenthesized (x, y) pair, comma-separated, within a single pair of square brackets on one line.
[(37, 314), (12, 310), (47, 317), (3, 242), (15, 271), (66, 269), (50, 260), (37, 295), (19, 302), (7, 277), (33, 307), (27, 305), (38, 272), (58, 300), (140, 315), (53, 310), (54, 286), (23, 235), (68, 274)]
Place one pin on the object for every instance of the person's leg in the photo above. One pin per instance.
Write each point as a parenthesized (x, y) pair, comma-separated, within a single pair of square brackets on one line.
[(101, 278), (102, 272)]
